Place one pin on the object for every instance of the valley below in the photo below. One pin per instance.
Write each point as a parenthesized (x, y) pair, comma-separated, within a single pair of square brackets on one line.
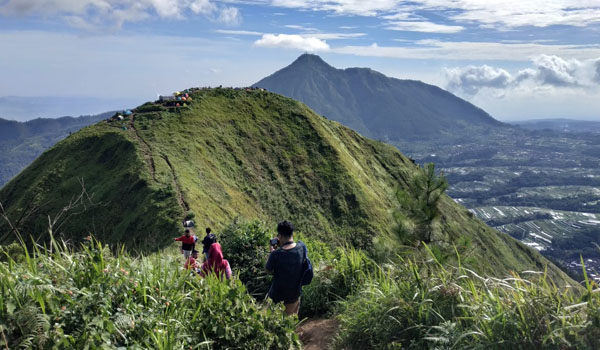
[(541, 187)]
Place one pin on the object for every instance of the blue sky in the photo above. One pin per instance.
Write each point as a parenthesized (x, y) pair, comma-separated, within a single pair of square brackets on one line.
[(516, 59)]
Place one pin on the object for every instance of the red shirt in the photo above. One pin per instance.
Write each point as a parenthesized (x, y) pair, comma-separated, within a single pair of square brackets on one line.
[(187, 242)]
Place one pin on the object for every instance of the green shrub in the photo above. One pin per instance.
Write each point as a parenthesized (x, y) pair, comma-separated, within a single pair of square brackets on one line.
[(12, 251), (245, 246)]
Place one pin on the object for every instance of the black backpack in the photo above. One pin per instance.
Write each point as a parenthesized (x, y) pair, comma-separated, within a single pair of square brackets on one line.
[(307, 269)]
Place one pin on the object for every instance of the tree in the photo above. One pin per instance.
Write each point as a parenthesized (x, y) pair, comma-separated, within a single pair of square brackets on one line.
[(421, 199)]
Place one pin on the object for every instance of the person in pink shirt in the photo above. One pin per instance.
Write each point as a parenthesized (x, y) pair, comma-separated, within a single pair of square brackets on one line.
[(216, 263), (191, 263)]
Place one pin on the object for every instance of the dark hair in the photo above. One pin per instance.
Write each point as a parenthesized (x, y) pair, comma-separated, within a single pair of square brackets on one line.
[(187, 231), (208, 230), (285, 228), (194, 251)]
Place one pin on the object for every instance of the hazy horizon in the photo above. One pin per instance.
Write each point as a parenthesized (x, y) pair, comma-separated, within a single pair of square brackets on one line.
[(33, 107)]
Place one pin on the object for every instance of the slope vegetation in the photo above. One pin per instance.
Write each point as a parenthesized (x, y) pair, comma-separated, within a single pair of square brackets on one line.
[(228, 154)]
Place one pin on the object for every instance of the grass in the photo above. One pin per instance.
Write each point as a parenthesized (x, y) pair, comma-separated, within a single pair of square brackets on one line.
[(90, 298), (423, 304), (57, 297)]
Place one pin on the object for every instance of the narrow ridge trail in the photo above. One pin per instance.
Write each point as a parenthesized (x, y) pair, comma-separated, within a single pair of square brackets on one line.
[(145, 147), (317, 334), (180, 198)]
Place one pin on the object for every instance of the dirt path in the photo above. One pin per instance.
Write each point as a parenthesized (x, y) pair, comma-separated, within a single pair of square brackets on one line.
[(317, 334), (180, 198), (145, 147), (147, 152)]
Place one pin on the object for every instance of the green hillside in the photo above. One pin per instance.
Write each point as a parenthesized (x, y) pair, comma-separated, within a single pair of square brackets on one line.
[(228, 154), (375, 105)]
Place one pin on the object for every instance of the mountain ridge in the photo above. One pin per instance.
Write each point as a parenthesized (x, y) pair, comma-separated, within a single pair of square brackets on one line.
[(229, 154)]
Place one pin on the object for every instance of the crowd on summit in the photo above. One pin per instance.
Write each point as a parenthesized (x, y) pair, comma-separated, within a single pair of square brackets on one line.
[(288, 262)]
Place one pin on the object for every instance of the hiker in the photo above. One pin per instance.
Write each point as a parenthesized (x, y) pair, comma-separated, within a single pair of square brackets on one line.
[(216, 263), (187, 244), (191, 263), (208, 240), (288, 264)]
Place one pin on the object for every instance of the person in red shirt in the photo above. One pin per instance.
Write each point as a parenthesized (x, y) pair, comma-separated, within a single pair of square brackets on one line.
[(216, 263), (191, 263), (187, 244)]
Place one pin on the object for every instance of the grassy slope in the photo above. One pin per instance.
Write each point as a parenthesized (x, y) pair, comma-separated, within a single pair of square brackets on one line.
[(237, 153), (126, 206)]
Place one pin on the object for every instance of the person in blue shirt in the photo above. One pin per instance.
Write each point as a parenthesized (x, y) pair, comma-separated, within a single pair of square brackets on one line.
[(285, 262)]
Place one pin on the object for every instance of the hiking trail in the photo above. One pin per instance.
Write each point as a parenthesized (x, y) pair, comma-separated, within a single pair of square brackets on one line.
[(180, 198), (145, 147), (317, 334)]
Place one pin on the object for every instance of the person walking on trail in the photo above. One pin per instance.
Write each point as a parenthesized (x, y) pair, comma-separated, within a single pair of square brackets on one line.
[(187, 244), (208, 240), (287, 264), (216, 263), (191, 263)]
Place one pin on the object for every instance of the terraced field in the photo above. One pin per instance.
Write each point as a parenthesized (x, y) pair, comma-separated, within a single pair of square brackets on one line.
[(538, 233), (541, 187)]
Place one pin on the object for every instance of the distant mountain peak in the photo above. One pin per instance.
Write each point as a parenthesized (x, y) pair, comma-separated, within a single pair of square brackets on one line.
[(376, 105), (309, 59)]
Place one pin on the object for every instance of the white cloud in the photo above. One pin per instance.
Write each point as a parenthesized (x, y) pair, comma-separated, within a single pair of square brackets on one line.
[(517, 13), (425, 27), (471, 51), (204, 7), (300, 27), (488, 13), (230, 16), (596, 66), (94, 15), (333, 36), (322, 36), (471, 79), (292, 41), (238, 32), (547, 72), (351, 7)]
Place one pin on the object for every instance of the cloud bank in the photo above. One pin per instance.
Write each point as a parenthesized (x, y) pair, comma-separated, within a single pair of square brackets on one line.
[(292, 41), (547, 72), (490, 13), (102, 14)]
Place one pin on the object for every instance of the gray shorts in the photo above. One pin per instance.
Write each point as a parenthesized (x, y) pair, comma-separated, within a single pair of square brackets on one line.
[(187, 253)]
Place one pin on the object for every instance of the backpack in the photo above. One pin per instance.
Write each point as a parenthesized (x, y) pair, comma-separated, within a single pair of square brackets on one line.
[(307, 269)]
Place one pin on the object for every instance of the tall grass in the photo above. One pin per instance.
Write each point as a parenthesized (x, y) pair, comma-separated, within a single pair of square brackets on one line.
[(424, 305), (94, 299)]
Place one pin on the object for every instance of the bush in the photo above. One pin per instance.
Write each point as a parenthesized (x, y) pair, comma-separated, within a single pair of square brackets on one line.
[(246, 246)]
